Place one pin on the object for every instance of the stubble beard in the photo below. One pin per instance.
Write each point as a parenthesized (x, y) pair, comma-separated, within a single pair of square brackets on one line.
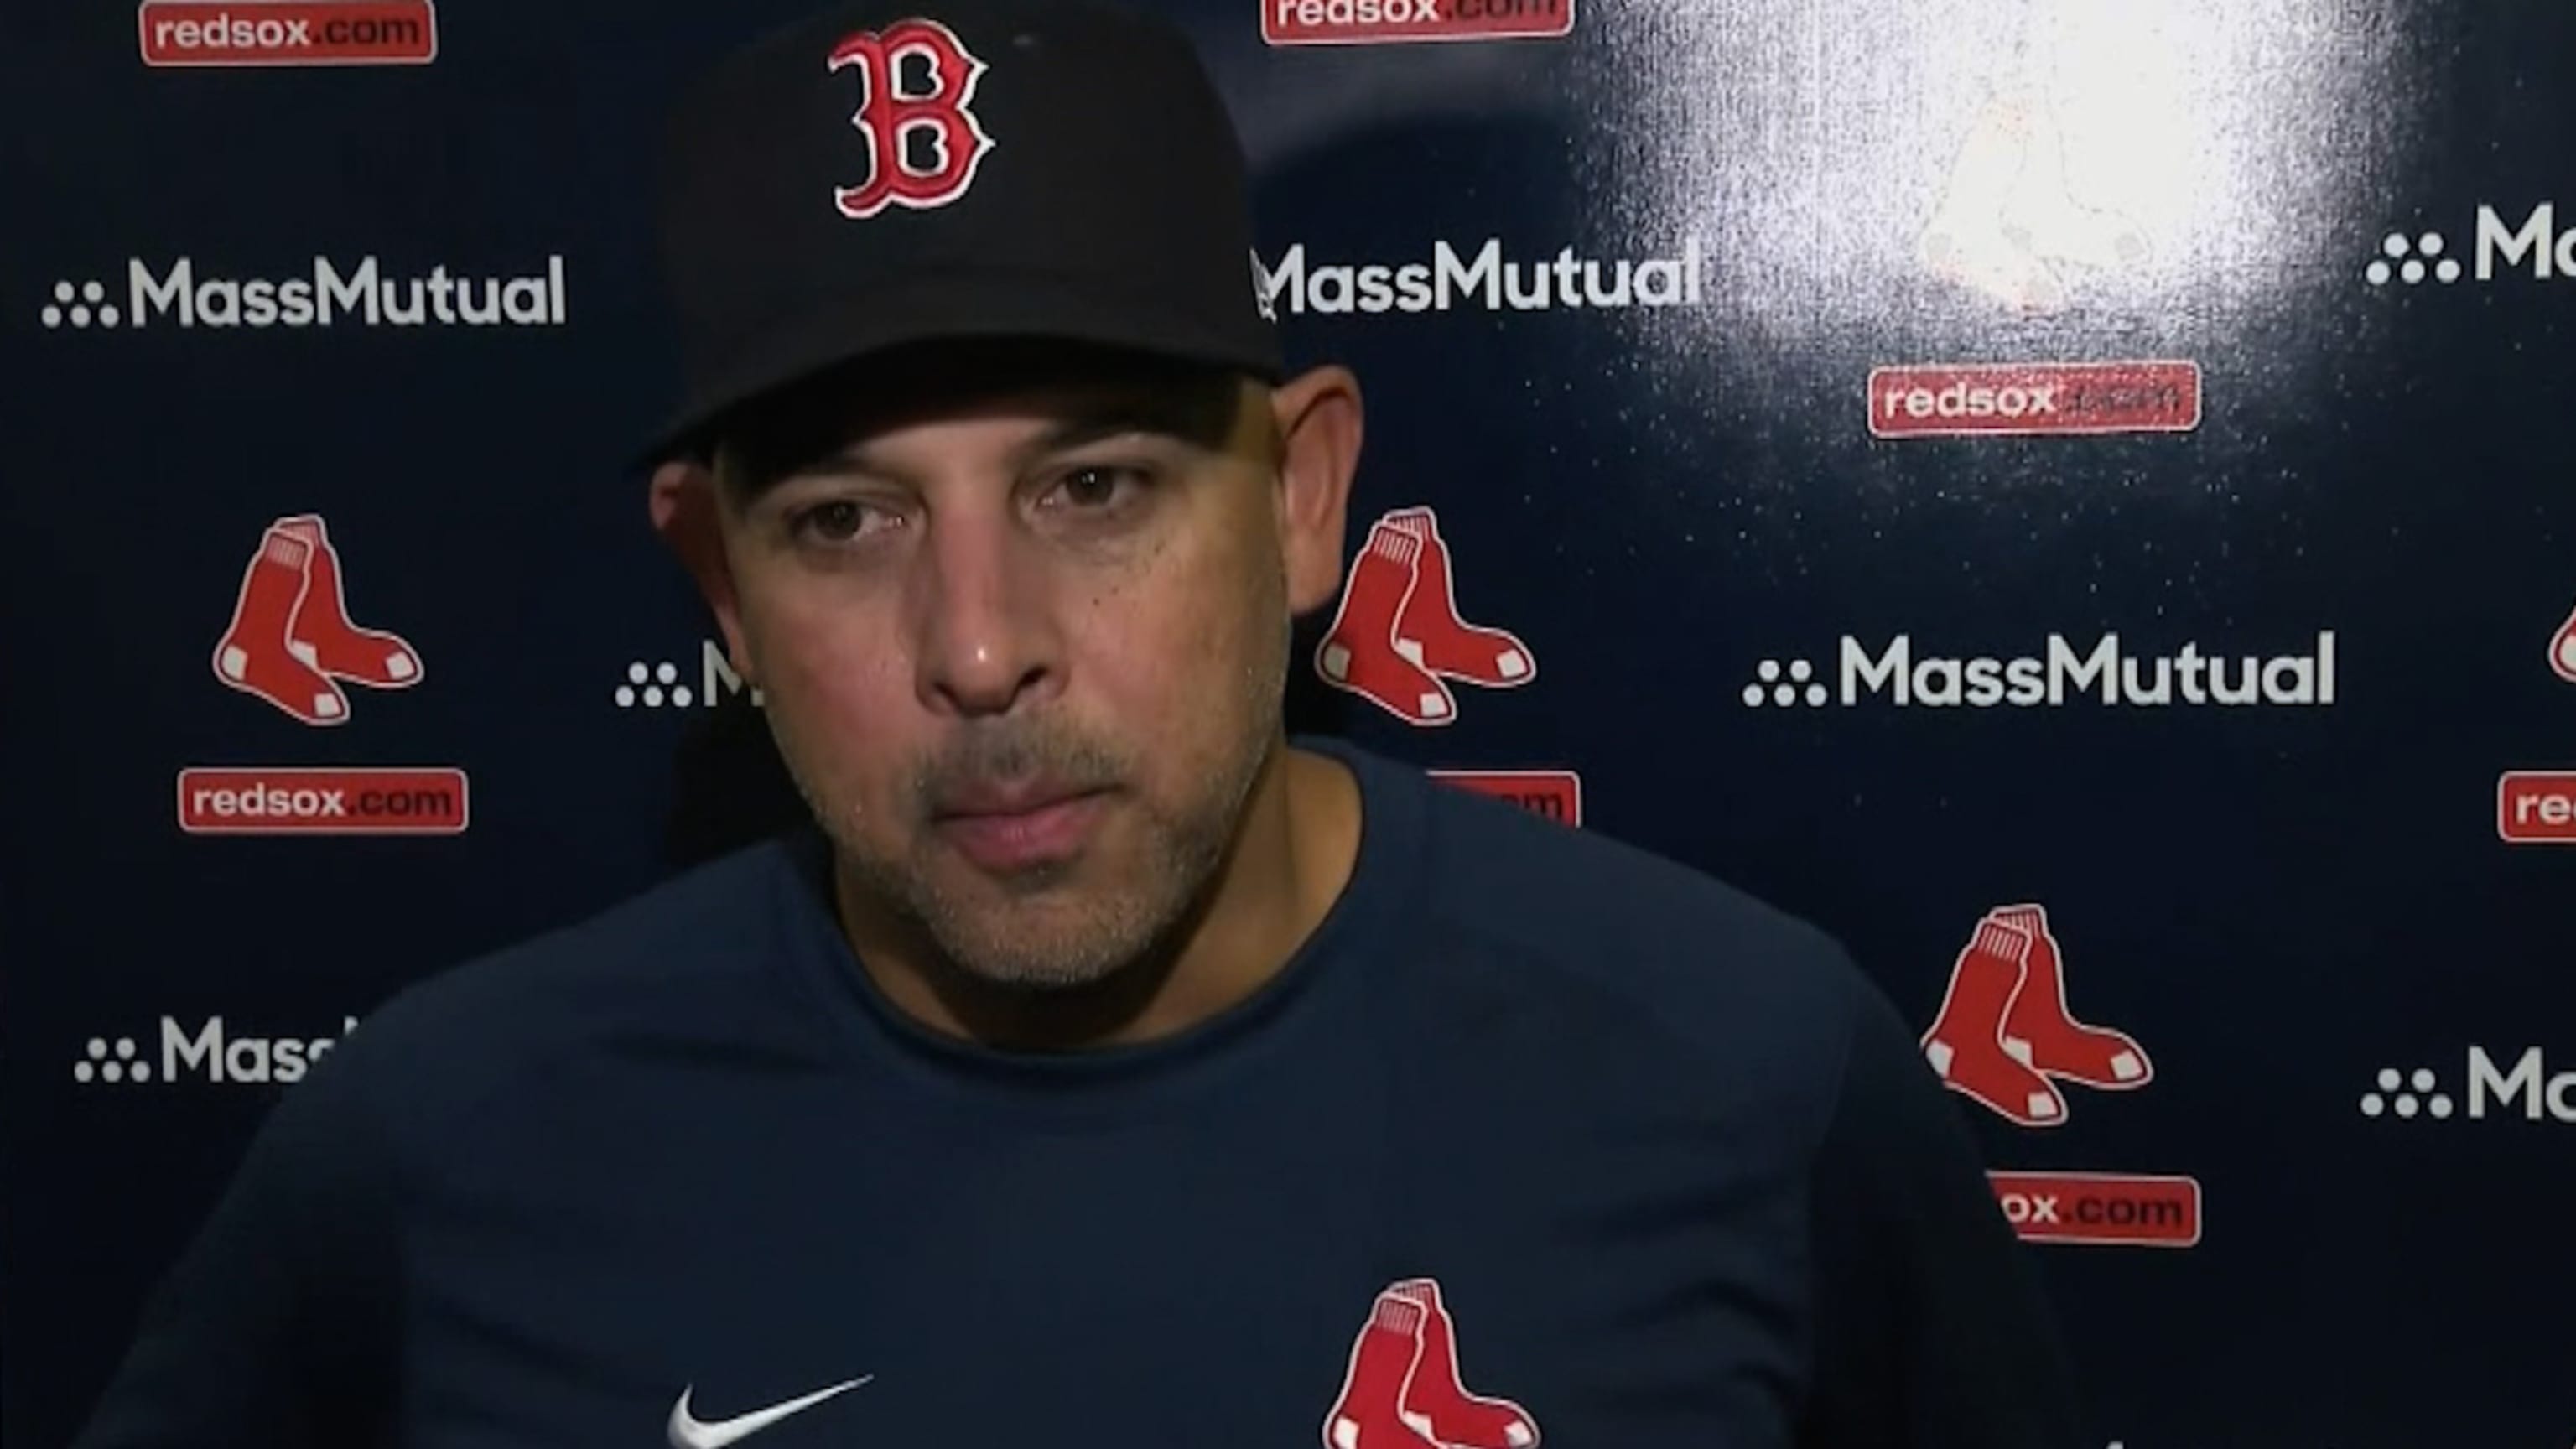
[(1060, 927)]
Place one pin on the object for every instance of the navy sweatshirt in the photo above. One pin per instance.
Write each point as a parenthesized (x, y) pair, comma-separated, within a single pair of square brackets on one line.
[(1538, 1139)]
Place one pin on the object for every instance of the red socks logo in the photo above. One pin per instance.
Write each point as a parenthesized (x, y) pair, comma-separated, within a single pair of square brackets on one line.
[(2005, 1028), (1397, 637), (2007, 224), (2562, 650), (1403, 1390), (291, 642)]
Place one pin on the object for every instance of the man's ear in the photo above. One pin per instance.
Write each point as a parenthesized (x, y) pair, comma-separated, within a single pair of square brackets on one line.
[(1319, 417), (687, 512)]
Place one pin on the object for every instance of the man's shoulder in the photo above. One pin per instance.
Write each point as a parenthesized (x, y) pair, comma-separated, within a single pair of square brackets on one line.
[(688, 954), (1582, 893), (1697, 955)]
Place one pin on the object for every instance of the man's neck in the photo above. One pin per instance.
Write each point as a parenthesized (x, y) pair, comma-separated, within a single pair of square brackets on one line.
[(1290, 861)]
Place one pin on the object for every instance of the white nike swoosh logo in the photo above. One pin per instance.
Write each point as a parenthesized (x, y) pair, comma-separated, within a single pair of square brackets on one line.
[(690, 1432)]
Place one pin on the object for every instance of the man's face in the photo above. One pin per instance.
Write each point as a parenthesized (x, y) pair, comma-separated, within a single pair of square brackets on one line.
[(1023, 649)]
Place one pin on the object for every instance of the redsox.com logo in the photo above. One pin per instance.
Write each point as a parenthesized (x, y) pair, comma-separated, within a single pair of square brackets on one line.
[(1387, 22), (239, 34), (1968, 400)]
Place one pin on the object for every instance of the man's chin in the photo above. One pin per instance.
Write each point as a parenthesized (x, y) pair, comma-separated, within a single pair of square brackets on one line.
[(1048, 926), (1035, 960), (1070, 921)]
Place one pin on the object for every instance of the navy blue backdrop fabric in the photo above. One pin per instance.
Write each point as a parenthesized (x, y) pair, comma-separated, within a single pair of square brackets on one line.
[(2069, 497)]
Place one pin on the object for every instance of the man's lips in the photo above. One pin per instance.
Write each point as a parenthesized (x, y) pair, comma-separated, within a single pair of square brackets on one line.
[(1004, 830), (983, 800)]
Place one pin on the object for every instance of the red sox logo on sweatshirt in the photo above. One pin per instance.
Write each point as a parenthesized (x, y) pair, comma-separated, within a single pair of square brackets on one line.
[(1403, 1389), (1397, 640), (889, 120)]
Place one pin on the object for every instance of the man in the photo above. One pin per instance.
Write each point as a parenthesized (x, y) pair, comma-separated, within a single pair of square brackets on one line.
[(1101, 1069)]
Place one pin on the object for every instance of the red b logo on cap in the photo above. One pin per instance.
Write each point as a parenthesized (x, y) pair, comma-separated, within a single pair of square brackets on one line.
[(889, 118)]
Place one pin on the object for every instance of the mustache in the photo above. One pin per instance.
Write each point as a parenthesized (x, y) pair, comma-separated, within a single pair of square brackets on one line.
[(1012, 753)]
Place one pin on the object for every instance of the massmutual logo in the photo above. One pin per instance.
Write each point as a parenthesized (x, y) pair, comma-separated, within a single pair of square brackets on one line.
[(208, 1051), (363, 291), (702, 682), (2107, 669), (2505, 1084), (1485, 275), (2497, 246)]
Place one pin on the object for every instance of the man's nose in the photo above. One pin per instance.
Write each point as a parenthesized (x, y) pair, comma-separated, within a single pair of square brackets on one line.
[(987, 635)]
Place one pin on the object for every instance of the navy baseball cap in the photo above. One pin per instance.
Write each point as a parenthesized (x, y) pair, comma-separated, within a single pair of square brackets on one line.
[(890, 172)]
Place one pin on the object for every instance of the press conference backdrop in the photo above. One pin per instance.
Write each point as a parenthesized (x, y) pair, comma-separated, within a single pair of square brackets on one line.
[(2073, 498)]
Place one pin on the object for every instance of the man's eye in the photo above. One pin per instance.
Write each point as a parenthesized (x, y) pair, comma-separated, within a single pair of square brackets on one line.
[(838, 521), (1096, 487)]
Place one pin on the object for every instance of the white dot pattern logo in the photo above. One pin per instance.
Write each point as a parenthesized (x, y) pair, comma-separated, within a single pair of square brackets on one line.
[(653, 686), (81, 306), (1786, 686), (2410, 260), (115, 1063), (2407, 1095)]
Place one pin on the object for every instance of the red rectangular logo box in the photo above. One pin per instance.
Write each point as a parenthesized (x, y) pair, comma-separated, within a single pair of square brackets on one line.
[(1555, 794), (2105, 1209), (1953, 400), (2536, 807), (219, 33), (1396, 22), (304, 800)]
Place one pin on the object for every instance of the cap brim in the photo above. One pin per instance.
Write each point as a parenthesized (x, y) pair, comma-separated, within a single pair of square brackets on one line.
[(959, 307)]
